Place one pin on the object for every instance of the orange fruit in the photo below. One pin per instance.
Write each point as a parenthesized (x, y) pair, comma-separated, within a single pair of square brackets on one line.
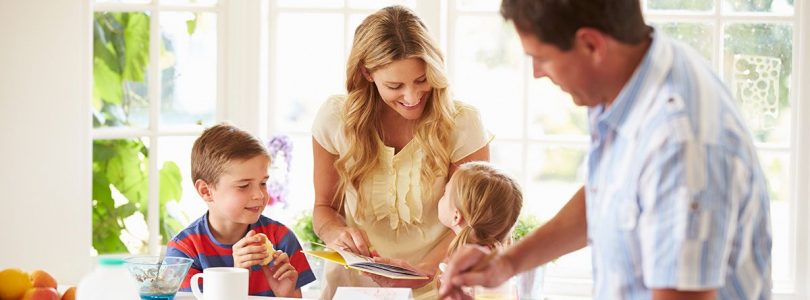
[(13, 283), (70, 294), (40, 278), (41, 293)]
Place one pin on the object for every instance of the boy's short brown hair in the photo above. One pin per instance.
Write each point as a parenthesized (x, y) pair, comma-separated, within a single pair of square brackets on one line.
[(218, 146)]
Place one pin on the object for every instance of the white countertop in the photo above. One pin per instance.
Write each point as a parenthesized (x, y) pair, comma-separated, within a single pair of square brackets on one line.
[(190, 296)]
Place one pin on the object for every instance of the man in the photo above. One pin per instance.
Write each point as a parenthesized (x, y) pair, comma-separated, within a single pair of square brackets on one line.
[(675, 205)]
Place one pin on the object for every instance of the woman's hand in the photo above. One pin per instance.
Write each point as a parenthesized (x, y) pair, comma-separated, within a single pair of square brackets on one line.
[(354, 240), (282, 276), (249, 251), (407, 283)]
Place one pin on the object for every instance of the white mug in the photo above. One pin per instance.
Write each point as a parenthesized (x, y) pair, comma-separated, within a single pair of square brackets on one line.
[(221, 284)]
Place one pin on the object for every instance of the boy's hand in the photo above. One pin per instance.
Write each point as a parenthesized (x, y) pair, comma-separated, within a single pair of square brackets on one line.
[(282, 276), (249, 251)]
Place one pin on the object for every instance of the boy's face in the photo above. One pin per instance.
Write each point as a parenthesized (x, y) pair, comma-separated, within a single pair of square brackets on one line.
[(241, 193), (449, 215)]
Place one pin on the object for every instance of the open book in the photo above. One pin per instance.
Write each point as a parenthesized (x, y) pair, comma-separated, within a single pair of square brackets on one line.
[(365, 264)]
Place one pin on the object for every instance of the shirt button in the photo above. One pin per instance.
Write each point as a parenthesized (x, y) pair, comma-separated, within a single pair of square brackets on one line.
[(593, 189)]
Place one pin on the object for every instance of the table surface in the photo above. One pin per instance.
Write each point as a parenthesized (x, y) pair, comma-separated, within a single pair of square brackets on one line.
[(190, 296)]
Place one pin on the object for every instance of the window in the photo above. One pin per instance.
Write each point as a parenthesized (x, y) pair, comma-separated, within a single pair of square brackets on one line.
[(310, 42), (155, 67)]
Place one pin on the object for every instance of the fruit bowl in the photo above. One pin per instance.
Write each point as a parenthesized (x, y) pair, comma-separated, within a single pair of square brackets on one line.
[(158, 281)]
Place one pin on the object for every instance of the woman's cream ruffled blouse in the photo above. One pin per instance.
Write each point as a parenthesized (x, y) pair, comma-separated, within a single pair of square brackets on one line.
[(396, 218)]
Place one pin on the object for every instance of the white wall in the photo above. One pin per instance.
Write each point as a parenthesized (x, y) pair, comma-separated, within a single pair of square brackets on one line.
[(45, 75)]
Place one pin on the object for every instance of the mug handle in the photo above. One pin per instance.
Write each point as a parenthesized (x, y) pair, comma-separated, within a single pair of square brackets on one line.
[(195, 286)]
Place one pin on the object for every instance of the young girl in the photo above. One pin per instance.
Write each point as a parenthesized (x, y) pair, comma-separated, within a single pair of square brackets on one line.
[(480, 204)]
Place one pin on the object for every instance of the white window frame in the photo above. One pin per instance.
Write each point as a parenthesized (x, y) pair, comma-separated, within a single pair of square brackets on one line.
[(238, 78)]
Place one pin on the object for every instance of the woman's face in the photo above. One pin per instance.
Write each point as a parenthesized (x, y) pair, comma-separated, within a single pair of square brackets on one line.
[(403, 86)]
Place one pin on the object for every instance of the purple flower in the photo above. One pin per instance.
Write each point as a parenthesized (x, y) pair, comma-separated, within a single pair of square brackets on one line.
[(280, 148)]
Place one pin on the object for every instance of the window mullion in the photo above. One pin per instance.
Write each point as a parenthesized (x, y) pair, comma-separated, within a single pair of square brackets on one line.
[(800, 168), (154, 88)]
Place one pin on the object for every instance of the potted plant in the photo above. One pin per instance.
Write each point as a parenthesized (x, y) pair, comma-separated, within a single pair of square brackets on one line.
[(530, 283), (310, 241)]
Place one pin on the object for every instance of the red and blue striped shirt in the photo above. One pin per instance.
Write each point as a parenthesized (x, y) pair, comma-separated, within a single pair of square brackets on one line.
[(197, 242)]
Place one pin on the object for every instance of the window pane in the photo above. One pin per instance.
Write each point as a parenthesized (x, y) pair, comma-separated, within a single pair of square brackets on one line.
[(757, 66), (684, 5), (188, 2), (553, 112), (180, 203), (120, 68), (123, 1), (509, 157), (488, 70), (120, 192), (777, 170), (377, 4), (310, 3), (306, 73), (188, 64), (696, 35), (300, 192), (781, 7), (555, 174), (479, 5)]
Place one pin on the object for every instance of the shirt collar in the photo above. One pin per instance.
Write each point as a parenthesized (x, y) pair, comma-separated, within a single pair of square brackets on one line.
[(653, 68)]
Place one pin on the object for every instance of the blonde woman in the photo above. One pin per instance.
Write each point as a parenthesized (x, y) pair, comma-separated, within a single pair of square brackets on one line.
[(383, 152)]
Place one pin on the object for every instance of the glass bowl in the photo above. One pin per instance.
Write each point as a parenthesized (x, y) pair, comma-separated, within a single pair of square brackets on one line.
[(158, 281)]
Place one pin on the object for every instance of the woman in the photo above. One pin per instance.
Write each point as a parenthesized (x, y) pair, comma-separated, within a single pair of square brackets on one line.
[(383, 153)]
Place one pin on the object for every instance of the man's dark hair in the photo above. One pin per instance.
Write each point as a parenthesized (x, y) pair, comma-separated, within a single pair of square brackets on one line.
[(556, 21)]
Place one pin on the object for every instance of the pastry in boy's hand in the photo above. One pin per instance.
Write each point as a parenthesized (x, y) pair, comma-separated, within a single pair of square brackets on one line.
[(269, 248)]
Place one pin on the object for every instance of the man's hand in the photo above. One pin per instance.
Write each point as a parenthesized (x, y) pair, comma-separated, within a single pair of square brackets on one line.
[(249, 251), (468, 267)]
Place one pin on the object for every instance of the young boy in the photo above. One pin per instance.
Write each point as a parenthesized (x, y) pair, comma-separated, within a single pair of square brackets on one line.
[(229, 170)]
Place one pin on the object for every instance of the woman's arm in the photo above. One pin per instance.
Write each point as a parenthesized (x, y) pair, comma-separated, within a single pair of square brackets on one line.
[(328, 223)]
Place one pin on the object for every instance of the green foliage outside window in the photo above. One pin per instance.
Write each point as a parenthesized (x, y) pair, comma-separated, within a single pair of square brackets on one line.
[(305, 232), (120, 61)]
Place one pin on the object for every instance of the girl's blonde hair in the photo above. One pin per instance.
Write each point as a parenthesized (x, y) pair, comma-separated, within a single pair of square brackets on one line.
[(391, 34), (488, 200)]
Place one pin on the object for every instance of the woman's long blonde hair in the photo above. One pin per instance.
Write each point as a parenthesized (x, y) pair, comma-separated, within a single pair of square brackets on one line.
[(488, 200), (391, 34)]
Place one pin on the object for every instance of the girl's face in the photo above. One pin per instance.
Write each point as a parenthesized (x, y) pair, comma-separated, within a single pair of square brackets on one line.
[(241, 193), (403, 86), (449, 215)]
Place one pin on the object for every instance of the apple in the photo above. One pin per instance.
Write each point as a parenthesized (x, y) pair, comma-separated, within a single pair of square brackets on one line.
[(70, 294), (41, 293), (40, 278)]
